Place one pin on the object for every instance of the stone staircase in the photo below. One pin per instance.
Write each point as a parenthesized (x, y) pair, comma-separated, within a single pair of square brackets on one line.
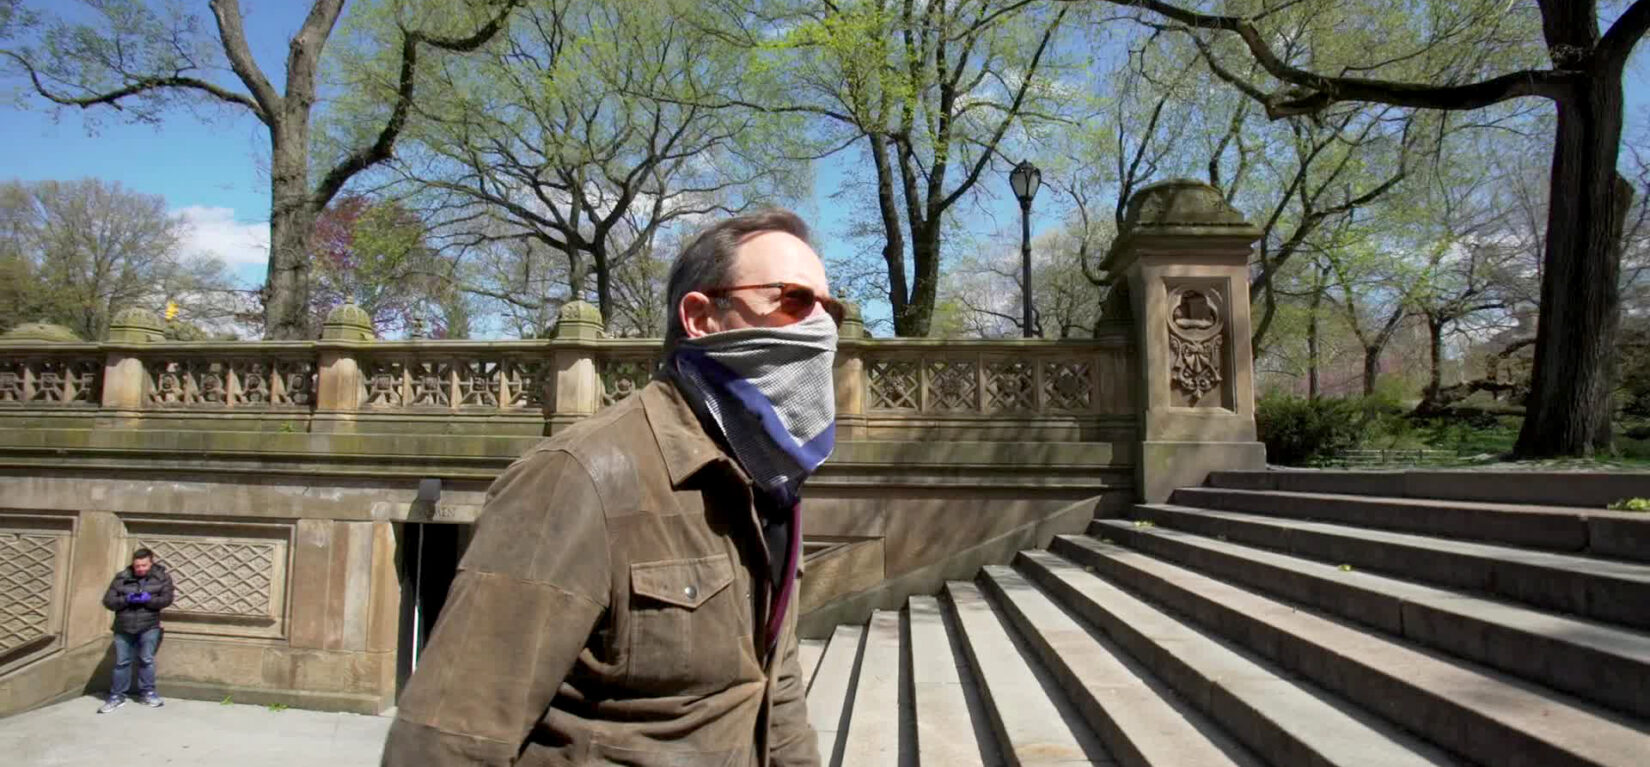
[(1241, 624)]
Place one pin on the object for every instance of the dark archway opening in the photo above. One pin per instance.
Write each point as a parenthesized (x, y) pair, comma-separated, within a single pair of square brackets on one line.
[(427, 560)]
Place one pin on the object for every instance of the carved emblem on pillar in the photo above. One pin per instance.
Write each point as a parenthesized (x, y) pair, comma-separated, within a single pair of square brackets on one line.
[(1196, 331)]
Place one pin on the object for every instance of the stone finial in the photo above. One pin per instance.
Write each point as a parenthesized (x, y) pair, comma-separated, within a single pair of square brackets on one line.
[(853, 323), (1181, 203), (41, 331), (1175, 214), (347, 322), (578, 319), (135, 324)]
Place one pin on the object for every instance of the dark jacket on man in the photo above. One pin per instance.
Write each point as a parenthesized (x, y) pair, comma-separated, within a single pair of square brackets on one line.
[(612, 609), (138, 618)]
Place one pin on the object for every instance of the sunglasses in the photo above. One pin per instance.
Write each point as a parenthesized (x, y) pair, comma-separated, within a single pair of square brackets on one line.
[(795, 299)]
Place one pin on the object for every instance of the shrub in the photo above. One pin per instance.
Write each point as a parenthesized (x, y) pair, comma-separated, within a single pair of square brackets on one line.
[(1631, 504), (1298, 431)]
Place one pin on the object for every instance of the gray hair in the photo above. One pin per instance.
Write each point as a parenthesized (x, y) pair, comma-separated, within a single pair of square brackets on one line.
[(707, 259)]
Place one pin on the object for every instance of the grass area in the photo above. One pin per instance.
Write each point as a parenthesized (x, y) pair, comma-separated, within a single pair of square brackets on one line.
[(1483, 443)]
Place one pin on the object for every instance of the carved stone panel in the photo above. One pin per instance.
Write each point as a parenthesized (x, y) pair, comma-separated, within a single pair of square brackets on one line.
[(894, 384), (230, 578), (624, 376), (953, 386), (1010, 386), (1068, 386), (1197, 358), (51, 381), (255, 383), (29, 564)]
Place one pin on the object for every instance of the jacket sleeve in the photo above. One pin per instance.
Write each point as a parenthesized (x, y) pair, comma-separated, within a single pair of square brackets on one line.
[(530, 589), (163, 598), (792, 740), (112, 598)]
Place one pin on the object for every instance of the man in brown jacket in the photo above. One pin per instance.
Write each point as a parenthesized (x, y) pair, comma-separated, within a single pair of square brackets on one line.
[(629, 595)]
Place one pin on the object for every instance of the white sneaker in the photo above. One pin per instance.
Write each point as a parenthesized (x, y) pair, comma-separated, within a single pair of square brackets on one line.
[(111, 704), (152, 700)]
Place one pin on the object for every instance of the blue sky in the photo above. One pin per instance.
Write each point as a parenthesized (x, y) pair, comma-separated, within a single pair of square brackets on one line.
[(215, 173)]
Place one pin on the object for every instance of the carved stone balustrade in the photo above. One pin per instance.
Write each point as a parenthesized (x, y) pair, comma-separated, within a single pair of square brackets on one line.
[(348, 381)]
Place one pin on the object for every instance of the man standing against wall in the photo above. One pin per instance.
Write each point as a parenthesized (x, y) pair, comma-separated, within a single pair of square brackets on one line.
[(629, 596), (137, 595)]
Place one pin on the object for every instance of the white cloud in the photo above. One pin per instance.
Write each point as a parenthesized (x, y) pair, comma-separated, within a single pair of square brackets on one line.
[(215, 231)]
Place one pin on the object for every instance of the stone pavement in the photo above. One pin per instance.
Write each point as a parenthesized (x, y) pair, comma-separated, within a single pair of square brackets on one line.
[(189, 733)]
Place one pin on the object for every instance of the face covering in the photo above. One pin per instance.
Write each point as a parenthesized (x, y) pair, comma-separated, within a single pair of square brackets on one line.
[(769, 392)]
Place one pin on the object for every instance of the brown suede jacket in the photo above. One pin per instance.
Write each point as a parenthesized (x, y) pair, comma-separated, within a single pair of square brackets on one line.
[(608, 611)]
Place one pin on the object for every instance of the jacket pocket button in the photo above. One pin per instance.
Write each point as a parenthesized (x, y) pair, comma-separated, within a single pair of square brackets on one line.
[(690, 592)]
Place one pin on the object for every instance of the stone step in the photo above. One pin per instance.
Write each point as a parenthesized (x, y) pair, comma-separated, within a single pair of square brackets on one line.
[(1602, 663), (1556, 488), (1484, 715), (1614, 534), (1602, 589), (1282, 720), (831, 696), (808, 653), (1141, 721), (1026, 714), (874, 725), (948, 735)]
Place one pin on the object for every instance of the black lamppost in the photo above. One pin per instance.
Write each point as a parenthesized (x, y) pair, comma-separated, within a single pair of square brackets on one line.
[(1025, 178)]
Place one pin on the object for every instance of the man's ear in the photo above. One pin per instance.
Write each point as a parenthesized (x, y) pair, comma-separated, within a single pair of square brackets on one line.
[(698, 315)]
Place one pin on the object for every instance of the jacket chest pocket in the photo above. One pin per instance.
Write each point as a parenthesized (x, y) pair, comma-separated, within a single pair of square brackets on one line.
[(686, 625)]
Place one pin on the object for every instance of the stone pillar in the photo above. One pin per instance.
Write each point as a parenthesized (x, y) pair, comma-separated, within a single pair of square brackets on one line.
[(338, 373), (577, 386), (124, 379), (1183, 254), (848, 376)]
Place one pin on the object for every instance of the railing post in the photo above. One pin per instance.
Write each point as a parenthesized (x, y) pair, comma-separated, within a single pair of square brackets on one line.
[(338, 371), (1184, 254), (848, 375), (577, 388), (124, 378)]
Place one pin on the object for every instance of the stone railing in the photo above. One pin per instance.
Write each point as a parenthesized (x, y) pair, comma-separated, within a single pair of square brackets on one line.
[(974, 389)]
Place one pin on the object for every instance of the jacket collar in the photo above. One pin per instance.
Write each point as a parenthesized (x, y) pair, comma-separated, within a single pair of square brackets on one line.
[(686, 446)]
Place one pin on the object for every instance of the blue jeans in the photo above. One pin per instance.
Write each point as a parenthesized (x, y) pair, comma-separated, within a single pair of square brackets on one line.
[(143, 647)]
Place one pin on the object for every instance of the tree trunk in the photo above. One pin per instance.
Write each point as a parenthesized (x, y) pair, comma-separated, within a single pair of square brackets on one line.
[(918, 318), (604, 283), (1435, 378), (893, 243), (1568, 408), (291, 227), (1372, 368), (1314, 354), (1312, 390)]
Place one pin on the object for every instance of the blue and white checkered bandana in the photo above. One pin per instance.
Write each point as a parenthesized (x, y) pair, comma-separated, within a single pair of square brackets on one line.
[(770, 392)]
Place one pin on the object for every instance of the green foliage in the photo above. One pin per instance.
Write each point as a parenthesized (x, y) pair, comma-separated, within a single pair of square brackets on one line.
[(1633, 367), (76, 252), (1631, 504), (1298, 431)]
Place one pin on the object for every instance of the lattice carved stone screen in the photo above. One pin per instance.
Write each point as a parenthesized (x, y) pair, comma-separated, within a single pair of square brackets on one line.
[(32, 573), (226, 583), (231, 382), (954, 382), (51, 381), (399, 381), (622, 376)]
